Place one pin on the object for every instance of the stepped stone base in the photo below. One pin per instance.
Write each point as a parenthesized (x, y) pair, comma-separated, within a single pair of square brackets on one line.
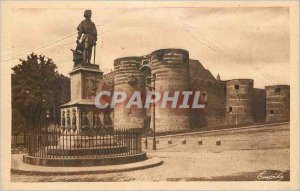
[(105, 150), (67, 162), (66, 141)]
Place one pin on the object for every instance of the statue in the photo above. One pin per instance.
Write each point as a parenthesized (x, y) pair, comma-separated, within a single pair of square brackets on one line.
[(84, 119), (63, 118), (74, 119), (108, 124), (68, 118), (97, 122), (87, 32)]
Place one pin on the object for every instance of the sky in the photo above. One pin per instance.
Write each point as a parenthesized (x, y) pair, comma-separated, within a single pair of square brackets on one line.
[(233, 42)]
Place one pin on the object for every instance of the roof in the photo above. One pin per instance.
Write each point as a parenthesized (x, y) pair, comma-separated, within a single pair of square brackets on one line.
[(82, 102)]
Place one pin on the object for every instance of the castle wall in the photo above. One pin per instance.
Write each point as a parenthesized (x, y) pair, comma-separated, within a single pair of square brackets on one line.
[(172, 74), (277, 103), (213, 96), (128, 78), (231, 102), (108, 81), (214, 90), (259, 105), (239, 101), (196, 70)]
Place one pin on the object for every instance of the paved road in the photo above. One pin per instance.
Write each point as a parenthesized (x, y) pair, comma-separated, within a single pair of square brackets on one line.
[(242, 155)]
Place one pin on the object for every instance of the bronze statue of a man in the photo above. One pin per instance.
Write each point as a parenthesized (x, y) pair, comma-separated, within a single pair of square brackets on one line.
[(87, 32)]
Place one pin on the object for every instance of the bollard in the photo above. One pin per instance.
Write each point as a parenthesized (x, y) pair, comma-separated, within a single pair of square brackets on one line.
[(200, 142), (184, 142), (170, 141), (218, 143)]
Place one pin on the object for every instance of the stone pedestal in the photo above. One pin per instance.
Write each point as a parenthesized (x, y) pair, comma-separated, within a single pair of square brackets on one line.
[(80, 112)]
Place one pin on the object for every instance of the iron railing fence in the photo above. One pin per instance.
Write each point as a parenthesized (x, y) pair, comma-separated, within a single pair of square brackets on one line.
[(19, 143), (67, 143)]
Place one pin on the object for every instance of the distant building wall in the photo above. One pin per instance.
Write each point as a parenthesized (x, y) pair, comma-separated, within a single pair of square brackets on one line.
[(277, 103), (259, 105)]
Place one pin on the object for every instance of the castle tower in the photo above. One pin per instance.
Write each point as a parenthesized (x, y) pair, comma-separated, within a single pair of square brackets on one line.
[(171, 67), (277, 103), (239, 101), (128, 78)]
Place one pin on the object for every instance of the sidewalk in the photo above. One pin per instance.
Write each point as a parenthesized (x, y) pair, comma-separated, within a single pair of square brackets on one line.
[(241, 157), (21, 168)]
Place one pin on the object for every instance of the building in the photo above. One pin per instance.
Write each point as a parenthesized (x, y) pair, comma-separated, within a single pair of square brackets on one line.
[(231, 102)]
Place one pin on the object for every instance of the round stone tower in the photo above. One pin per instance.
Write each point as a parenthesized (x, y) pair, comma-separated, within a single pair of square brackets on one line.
[(239, 101), (171, 67), (277, 103), (128, 79)]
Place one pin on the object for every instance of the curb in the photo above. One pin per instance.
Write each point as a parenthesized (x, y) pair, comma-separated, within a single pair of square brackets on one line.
[(84, 162), (42, 170), (222, 130)]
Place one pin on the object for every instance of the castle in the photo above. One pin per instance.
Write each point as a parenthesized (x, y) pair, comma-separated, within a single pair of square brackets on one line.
[(231, 102)]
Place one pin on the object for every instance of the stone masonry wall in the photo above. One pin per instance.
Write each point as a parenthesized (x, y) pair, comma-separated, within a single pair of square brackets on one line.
[(239, 101), (172, 74), (277, 103)]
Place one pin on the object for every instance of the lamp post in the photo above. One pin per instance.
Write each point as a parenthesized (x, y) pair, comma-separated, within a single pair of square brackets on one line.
[(154, 132), (153, 78)]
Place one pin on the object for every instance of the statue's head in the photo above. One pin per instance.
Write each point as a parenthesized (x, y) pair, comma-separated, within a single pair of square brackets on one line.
[(87, 14)]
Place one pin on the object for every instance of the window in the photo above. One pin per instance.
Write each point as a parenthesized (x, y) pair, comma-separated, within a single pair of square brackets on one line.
[(272, 112), (277, 91), (130, 112), (230, 109), (204, 97), (236, 87)]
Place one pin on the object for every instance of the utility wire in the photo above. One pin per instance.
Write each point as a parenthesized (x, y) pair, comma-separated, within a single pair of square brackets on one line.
[(64, 38)]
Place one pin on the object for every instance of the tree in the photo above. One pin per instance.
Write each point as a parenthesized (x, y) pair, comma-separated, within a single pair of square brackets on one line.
[(36, 88)]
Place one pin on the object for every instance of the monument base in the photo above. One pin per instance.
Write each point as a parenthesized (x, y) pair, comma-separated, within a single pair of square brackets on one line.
[(86, 146), (69, 162), (77, 141)]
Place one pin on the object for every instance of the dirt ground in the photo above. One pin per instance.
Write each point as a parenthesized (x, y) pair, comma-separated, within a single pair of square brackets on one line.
[(243, 155)]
